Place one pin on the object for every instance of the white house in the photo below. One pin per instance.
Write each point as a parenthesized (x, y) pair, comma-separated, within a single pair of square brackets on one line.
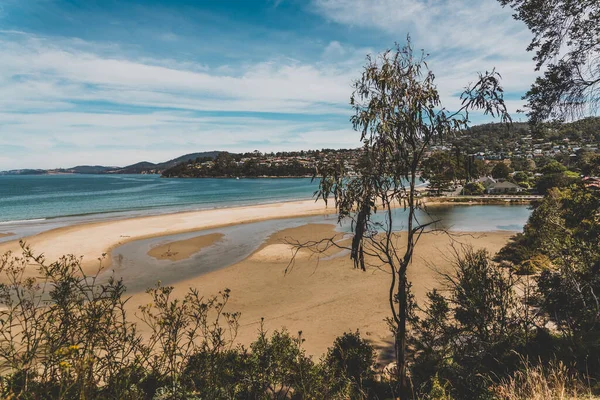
[(503, 187)]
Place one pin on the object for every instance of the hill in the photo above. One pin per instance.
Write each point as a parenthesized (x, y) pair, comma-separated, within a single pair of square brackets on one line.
[(143, 167), (498, 137), (89, 169)]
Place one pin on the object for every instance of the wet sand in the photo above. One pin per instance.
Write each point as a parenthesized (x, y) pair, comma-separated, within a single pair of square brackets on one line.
[(183, 249), (323, 295), (6, 234)]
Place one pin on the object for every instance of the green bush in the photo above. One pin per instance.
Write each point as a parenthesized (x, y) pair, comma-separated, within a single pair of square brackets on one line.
[(350, 362), (533, 265), (473, 189), (466, 337)]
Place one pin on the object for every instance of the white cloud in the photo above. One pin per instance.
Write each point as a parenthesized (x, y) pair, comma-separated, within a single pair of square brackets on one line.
[(31, 70), (57, 92), (334, 50), (125, 138), (463, 37), (436, 24)]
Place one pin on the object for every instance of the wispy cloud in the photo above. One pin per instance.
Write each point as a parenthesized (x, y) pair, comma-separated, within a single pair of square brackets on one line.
[(32, 70), (74, 101)]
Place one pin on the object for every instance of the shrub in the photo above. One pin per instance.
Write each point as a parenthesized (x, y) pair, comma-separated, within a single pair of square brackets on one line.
[(538, 382), (473, 188), (350, 362), (467, 336), (534, 265)]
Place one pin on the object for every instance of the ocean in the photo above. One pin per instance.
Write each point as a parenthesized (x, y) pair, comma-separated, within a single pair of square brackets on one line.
[(39, 197)]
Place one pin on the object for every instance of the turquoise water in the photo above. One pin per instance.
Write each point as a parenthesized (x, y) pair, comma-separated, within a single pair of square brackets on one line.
[(27, 198)]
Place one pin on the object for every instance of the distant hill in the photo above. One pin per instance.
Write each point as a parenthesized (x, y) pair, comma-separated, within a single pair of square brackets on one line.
[(24, 172), (89, 169), (497, 137), (146, 167), (143, 167), (187, 157), (137, 168), (494, 137)]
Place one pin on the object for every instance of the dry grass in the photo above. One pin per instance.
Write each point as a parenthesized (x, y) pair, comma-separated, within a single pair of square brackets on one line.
[(537, 382)]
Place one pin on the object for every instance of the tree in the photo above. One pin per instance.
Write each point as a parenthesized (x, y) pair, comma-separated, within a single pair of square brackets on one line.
[(522, 164), (590, 164), (467, 334), (521, 177), (473, 189), (399, 114), (500, 171), (562, 237), (440, 169), (223, 162), (556, 180), (567, 42), (553, 167), (480, 168)]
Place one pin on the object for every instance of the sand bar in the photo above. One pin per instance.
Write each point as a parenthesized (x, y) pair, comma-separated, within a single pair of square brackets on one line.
[(6, 234), (92, 240), (182, 249)]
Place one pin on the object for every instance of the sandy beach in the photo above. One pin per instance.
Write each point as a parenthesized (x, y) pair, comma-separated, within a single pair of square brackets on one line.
[(327, 296), (322, 296), (94, 240), (97, 239)]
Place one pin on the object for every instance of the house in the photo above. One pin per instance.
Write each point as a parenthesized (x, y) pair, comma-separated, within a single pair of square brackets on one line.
[(503, 187), (486, 181)]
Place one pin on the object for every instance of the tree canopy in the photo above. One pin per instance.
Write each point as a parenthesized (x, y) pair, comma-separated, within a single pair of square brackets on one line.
[(567, 42)]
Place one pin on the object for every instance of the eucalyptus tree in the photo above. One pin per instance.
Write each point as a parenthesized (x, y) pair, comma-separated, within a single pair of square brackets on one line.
[(399, 115), (567, 43)]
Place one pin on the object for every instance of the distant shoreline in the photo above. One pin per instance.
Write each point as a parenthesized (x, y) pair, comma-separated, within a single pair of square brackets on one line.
[(93, 239), (236, 177), (481, 200)]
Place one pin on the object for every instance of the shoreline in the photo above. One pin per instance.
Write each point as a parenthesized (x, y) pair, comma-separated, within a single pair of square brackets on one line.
[(109, 234), (480, 200), (106, 235), (123, 214)]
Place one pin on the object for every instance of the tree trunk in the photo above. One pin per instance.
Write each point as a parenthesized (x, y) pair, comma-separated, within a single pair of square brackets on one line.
[(400, 345)]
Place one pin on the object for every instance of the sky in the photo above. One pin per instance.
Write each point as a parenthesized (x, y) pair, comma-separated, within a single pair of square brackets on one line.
[(107, 82)]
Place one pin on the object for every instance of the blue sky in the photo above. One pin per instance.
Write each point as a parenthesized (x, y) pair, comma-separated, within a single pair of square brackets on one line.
[(116, 82)]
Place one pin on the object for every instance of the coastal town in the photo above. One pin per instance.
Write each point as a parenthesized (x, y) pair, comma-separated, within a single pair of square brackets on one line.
[(504, 161)]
